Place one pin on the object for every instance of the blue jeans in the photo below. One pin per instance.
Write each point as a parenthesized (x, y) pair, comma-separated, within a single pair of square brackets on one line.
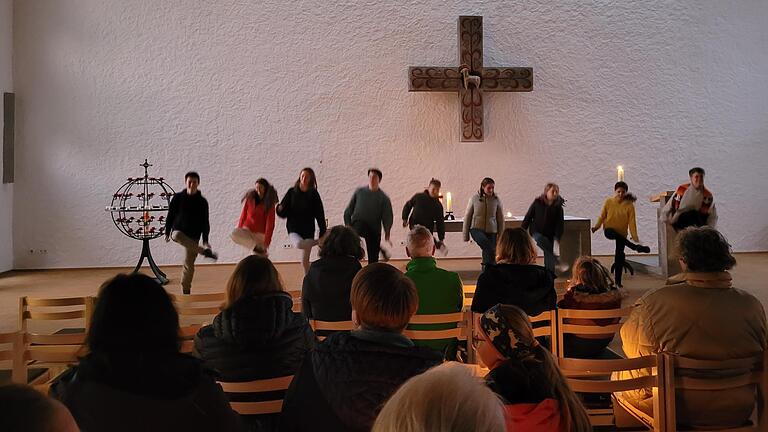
[(487, 243), (548, 246)]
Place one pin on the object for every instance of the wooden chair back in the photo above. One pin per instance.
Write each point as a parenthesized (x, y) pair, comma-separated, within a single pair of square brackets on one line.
[(565, 324), (549, 329), (195, 310), (459, 332), (55, 311), (330, 326), (12, 355), (725, 374), (594, 376), (257, 386)]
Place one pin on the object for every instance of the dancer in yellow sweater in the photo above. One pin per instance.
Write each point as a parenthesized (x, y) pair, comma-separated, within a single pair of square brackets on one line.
[(617, 217)]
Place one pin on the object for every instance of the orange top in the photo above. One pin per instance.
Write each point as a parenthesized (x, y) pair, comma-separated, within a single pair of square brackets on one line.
[(256, 219)]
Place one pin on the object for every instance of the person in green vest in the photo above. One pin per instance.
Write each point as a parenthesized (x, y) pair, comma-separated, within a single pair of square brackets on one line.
[(440, 291)]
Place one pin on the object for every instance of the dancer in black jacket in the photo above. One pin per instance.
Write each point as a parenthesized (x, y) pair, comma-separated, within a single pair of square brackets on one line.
[(425, 209)]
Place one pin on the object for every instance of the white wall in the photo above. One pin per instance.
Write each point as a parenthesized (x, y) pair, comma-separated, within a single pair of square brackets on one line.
[(238, 90), (6, 85)]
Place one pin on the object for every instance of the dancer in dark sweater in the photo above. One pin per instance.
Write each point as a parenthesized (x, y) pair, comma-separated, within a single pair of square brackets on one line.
[(367, 211), (544, 221), (425, 209), (187, 221), (302, 206)]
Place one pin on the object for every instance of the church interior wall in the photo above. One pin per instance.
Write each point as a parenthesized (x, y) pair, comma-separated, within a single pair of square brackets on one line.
[(240, 90)]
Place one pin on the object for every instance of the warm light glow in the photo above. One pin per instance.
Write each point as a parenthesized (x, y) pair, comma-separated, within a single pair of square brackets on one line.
[(620, 172), (509, 214), (448, 202)]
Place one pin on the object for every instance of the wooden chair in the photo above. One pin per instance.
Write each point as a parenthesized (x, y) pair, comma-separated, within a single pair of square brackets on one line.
[(195, 310), (576, 322), (13, 355), (733, 373), (59, 348), (330, 326), (548, 330), (258, 386), (296, 296), (459, 332), (584, 376)]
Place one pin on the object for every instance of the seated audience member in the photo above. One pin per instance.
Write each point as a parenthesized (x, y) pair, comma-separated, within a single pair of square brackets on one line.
[(257, 335), (24, 409), (446, 398), (344, 382), (526, 375), (515, 279), (326, 288), (703, 317), (134, 377), (591, 288), (440, 291)]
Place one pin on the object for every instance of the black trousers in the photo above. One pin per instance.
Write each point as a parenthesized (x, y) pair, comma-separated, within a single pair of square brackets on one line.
[(372, 238), (690, 218), (620, 258)]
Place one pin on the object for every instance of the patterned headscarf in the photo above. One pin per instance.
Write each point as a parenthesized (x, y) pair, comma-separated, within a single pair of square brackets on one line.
[(495, 326)]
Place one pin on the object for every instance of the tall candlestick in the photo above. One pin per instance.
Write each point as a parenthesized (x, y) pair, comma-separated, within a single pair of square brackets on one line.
[(448, 202), (620, 172)]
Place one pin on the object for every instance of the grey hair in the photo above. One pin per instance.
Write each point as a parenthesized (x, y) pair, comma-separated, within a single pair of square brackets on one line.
[(420, 241), (445, 398), (704, 249)]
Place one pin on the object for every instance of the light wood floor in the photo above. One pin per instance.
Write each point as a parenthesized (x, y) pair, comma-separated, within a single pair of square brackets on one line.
[(750, 275)]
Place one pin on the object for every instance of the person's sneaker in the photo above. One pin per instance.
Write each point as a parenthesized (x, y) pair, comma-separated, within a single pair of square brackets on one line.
[(385, 253), (208, 253), (185, 290), (643, 249), (562, 267), (259, 250)]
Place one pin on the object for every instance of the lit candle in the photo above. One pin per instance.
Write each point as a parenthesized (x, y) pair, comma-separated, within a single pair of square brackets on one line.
[(509, 215), (620, 172), (448, 202)]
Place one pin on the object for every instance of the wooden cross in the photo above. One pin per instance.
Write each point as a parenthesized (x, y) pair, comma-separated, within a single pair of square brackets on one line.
[(470, 79)]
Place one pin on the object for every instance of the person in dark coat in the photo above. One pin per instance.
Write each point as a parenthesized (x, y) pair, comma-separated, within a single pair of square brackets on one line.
[(303, 206), (134, 377), (326, 288), (516, 279), (545, 222), (343, 384), (425, 209), (257, 335)]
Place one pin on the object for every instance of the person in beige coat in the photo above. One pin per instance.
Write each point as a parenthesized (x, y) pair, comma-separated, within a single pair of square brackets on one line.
[(484, 219), (700, 315)]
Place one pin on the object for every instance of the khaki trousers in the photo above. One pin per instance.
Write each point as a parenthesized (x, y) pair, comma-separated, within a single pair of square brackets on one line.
[(193, 249)]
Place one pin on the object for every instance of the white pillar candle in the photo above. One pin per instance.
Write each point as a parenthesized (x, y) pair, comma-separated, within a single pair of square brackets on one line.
[(448, 202), (620, 172)]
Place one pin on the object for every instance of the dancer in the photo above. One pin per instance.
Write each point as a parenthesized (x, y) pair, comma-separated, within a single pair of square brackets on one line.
[(303, 206), (617, 214), (257, 220), (544, 221), (367, 211), (692, 204), (187, 221), (425, 209), (483, 219)]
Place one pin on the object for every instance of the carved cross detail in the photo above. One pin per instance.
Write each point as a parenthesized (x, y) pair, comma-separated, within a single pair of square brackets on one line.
[(470, 79)]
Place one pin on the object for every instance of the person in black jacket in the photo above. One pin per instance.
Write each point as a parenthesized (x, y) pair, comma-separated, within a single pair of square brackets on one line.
[(342, 385), (545, 222), (326, 288), (188, 220), (303, 206), (425, 209), (515, 279), (256, 335), (133, 377)]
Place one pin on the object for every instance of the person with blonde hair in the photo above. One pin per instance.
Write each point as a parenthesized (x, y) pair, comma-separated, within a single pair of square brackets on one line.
[(591, 288), (257, 335), (446, 398), (343, 383), (545, 221), (516, 279), (525, 374)]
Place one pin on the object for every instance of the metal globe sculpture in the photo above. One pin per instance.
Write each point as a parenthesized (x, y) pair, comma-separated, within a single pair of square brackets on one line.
[(138, 209)]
